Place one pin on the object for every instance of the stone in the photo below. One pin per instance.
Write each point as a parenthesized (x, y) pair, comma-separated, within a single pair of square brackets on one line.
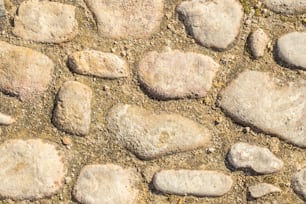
[(291, 49), (44, 21), (214, 24), (298, 183), (2, 9), (105, 184), (150, 135), (286, 6), (30, 169), (176, 74), (262, 189), (99, 64), (72, 112), (257, 100), (6, 119), (24, 73), (259, 159), (124, 19), (258, 41), (192, 182)]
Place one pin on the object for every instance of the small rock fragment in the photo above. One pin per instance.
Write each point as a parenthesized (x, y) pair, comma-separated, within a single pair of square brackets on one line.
[(192, 182), (262, 189), (2, 9), (66, 141), (6, 119), (298, 182), (286, 6), (259, 159), (258, 41)]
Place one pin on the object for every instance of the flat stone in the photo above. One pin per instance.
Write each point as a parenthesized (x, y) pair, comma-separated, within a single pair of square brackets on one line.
[(259, 159), (127, 18), (256, 99), (214, 24), (6, 119), (192, 182), (298, 183), (286, 6), (30, 169), (44, 21), (72, 112), (105, 184), (258, 41), (99, 64), (24, 72), (150, 135), (176, 74), (262, 189), (291, 49)]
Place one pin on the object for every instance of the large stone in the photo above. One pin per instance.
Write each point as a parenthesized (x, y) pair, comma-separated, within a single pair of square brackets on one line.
[(72, 112), (24, 72), (258, 41), (286, 6), (262, 189), (105, 184), (30, 169), (256, 99), (175, 74), (291, 49), (214, 24), (45, 21), (151, 135), (127, 18), (298, 183)]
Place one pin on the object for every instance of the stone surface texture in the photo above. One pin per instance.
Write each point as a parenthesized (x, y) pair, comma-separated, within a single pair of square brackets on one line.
[(286, 6), (298, 183), (258, 41), (262, 189)]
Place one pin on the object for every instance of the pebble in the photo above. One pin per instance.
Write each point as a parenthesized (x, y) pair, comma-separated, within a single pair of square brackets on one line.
[(72, 112), (259, 159), (150, 135), (286, 6), (256, 99), (291, 49), (30, 169), (127, 18), (298, 183), (176, 74), (105, 184), (214, 24), (258, 42), (24, 73), (44, 21), (2, 9), (99, 64), (6, 119), (262, 189), (192, 182)]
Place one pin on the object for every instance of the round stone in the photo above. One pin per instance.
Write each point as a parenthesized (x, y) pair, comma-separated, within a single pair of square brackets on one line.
[(258, 41), (286, 6)]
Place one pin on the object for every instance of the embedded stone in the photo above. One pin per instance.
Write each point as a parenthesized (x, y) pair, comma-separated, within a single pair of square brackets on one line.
[(262, 189), (258, 41), (6, 119), (286, 6), (298, 182)]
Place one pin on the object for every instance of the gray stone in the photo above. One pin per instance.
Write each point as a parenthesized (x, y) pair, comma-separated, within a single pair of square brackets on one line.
[(105, 184), (259, 159), (45, 21), (72, 112), (262, 189), (2, 9), (256, 99), (192, 182), (286, 6), (30, 169), (214, 24), (175, 74), (258, 41), (298, 183), (150, 135), (6, 119), (291, 49)]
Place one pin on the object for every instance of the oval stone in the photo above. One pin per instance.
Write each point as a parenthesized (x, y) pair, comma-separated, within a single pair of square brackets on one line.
[(286, 6)]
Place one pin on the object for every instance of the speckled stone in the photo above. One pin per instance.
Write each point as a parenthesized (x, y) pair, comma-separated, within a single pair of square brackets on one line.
[(286, 6), (258, 41), (262, 189), (298, 183)]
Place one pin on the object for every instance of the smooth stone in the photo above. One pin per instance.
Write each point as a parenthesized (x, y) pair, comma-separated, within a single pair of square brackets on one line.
[(176, 74), (258, 41), (99, 64), (6, 119), (214, 24), (150, 135), (127, 18), (30, 169), (44, 21), (286, 6), (72, 112), (262, 189), (259, 159), (192, 182), (298, 183), (105, 184), (255, 99), (24, 73), (291, 48)]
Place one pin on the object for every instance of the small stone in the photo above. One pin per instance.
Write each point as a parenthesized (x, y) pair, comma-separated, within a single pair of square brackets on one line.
[(286, 6), (175, 74), (262, 189), (2, 9), (259, 159), (44, 21), (66, 141), (258, 41), (105, 184), (298, 182), (150, 135), (30, 169), (6, 119), (214, 24), (72, 112), (24, 72), (100, 64), (127, 18), (192, 182), (291, 49)]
